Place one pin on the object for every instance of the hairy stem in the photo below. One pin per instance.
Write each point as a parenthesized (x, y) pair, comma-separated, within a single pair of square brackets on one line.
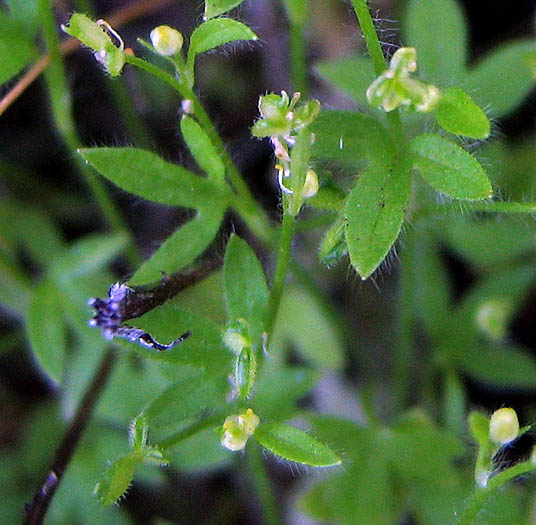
[(476, 501), (37, 508)]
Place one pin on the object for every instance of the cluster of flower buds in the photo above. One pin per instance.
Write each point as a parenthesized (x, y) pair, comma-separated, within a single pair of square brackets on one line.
[(281, 119), (396, 88), (237, 429)]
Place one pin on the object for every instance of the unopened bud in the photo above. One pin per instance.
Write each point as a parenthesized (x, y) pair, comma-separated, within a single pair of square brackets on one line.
[(503, 425), (310, 188), (166, 40), (237, 429)]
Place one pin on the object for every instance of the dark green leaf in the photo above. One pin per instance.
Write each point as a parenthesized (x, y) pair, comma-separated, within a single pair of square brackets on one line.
[(218, 7), (26, 14), (350, 138), (441, 55), (458, 114), (202, 149), (149, 176), (46, 330), (246, 291), (375, 211), (502, 79), (214, 33), (449, 168), (187, 398), (16, 49), (295, 445), (182, 247), (352, 75)]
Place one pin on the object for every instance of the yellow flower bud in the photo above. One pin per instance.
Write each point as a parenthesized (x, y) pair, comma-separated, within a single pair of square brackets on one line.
[(503, 425), (237, 429), (310, 188), (166, 40)]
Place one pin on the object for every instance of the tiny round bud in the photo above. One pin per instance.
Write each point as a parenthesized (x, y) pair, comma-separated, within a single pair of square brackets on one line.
[(492, 318), (503, 425), (237, 429), (166, 40), (310, 188)]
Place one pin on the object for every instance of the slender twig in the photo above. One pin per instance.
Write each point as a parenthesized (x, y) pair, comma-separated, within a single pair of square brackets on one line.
[(117, 18), (37, 508)]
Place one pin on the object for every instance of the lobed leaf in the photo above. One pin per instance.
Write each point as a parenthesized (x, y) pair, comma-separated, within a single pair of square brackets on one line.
[(375, 211), (182, 247), (214, 33), (295, 445), (246, 291), (449, 168), (202, 149), (16, 49), (151, 177), (46, 330), (218, 7), (441, 55), (458, 114)]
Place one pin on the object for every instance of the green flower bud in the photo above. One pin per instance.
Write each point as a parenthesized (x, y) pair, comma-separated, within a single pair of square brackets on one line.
[(310, 187), (404, 61), (237, 337), (503, 425), (492, 318), (166, 40), (237, 429)]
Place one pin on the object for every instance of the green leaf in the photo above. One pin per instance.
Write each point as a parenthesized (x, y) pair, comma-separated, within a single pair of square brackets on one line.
[(246, 291), (16, 49), (182, 247), (502, 79), (295, 445), (202, 149), (87, 255), (458, 114), (441, 55), (375, 211), (187, 398), (118, 477), (318, 340), (46, 330), (352, 75), (149, 176), (349, 138), (26, 14), (449, 168), (214, 33), (218, 7), (479, 426), (504, 366)]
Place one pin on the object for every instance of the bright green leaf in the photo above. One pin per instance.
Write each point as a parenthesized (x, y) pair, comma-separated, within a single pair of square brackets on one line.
[(449, 168), (349, 138), (502, 79), (46, 330), (16, 49), (246, 291), (151, 177), (295, 445), (458, 114), (297, 11), (352, 75), (375, 211), (479, 426), (202, 149), (441, 55), (182, 247), (214, 33), (218, 7), (117, 478)]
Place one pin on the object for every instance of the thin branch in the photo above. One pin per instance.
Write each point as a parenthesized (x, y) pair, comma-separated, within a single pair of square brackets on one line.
[(37, 508), (117, 19)]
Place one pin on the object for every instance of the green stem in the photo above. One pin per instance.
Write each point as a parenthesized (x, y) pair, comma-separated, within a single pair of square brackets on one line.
[(262, 483), (60, 99), (283, 258), (248, 208), (210, 421), (378, 60), (478, 498), (298, 60)]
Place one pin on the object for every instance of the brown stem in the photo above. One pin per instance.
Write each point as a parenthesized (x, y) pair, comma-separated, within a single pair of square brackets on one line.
[(117, 18), (37, 508)]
